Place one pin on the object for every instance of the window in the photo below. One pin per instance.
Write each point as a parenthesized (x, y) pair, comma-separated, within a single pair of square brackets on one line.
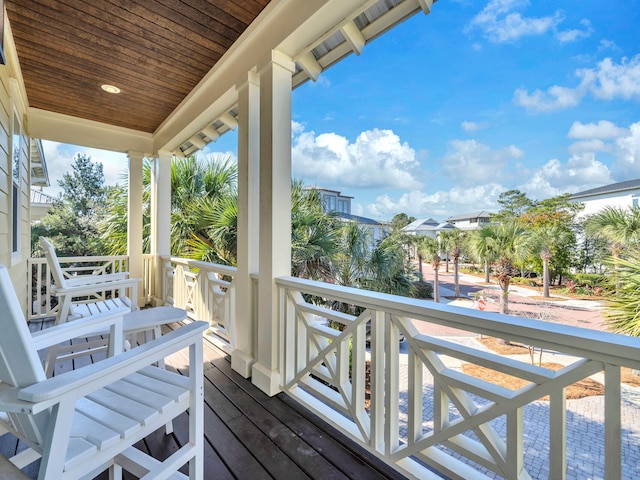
[(15, 184)]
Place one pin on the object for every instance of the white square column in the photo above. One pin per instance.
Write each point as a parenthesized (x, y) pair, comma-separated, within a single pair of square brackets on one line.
[(275, 214), (243, 357), (160, 241), (134, 221)]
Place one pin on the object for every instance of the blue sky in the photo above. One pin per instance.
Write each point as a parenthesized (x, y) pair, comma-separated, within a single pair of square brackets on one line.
[(446, 111)]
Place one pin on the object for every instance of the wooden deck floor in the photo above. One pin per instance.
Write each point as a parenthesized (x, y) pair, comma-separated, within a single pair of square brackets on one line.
[(250, 435)]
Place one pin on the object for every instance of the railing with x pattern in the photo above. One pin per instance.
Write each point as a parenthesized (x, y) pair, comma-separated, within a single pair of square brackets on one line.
[(207, 292), (342, 345)]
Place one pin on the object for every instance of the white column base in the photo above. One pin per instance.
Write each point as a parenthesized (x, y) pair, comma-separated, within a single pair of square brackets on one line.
[(242, 363), (266, 380)]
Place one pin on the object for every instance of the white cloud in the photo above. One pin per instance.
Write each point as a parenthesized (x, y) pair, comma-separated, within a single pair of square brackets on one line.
[(575, 34), (628, 154), (473, 126), (607, 81), (555, 98), (469, 162), (438, 205), (580, 172), (602, 129), (376, 159), (607, 45), (500, 23), (610, 80)]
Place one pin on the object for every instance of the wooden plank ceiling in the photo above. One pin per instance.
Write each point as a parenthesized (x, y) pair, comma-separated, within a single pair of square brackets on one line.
[(155, 51)]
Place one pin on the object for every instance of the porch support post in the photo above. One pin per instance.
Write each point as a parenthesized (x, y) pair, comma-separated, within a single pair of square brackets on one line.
[(160, 220), (243, 357), (275, 214), (134, 223)]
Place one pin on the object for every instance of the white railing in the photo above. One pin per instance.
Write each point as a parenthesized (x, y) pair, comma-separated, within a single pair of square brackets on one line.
[(424, 410), (148, 277), (207, 291), (43, 304)]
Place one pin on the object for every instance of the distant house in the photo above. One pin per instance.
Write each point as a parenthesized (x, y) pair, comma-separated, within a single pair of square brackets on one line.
[(427, 227), (40, 202), (471, 221), (334, 201), (620, 195)]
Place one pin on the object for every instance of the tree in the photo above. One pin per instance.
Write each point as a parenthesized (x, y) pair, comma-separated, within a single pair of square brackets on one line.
[(508, 244), (72, 223), (203, 207), (481, 246), (623, 313), (429, 248), (400, 221), (544, 242), (454, 241), (514, 203), (553, 227), (620, 227)]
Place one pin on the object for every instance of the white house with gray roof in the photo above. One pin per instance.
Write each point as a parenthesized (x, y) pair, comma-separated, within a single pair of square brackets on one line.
[(621, 195), (471, 221), (427, 227)]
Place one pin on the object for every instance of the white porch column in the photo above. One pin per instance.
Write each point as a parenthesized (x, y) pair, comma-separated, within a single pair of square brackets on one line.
[(243, 357), (160, 219), (275, 213), (134, 223)]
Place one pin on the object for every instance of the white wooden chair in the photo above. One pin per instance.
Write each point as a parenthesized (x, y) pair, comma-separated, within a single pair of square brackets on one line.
[(91, 288), (86, 421)]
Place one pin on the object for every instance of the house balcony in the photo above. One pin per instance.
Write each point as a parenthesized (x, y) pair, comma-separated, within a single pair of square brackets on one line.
[(398, 407)]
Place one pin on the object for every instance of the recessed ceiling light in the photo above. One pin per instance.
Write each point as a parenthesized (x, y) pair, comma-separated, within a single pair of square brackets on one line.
[(110, 88)]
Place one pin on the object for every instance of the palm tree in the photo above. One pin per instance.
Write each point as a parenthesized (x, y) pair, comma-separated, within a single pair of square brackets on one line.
[(454, 240), (507, 243), (480, 246), (197, 185), (619, 226), (623, 314), (544, 241), (429, 247)]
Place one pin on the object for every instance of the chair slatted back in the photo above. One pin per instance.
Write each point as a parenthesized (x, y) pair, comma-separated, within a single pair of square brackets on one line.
[(20, 365), (53, 263)]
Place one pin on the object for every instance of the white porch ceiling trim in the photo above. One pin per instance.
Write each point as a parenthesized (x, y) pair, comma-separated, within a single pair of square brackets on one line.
[(61, 128)]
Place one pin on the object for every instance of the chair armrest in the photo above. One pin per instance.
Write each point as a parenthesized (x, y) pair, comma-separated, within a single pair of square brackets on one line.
[(89, 288), (90, 279), (85, 380), (84, 327)]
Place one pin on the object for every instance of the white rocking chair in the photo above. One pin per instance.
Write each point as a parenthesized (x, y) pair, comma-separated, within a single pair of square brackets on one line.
[(86, 421), (90, 287)]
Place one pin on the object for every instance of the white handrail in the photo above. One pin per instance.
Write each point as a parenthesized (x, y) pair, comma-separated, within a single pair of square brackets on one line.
[(427, 411), (207, 291)]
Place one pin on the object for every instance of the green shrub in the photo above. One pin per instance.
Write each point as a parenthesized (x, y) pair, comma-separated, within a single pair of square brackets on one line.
[(422, 289), (590, 279)]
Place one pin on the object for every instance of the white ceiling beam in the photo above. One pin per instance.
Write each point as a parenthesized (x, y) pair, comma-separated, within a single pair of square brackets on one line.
[(211, 132), (310, 65), (197, 142), (425, 5), (352, 34), (228, 120)]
